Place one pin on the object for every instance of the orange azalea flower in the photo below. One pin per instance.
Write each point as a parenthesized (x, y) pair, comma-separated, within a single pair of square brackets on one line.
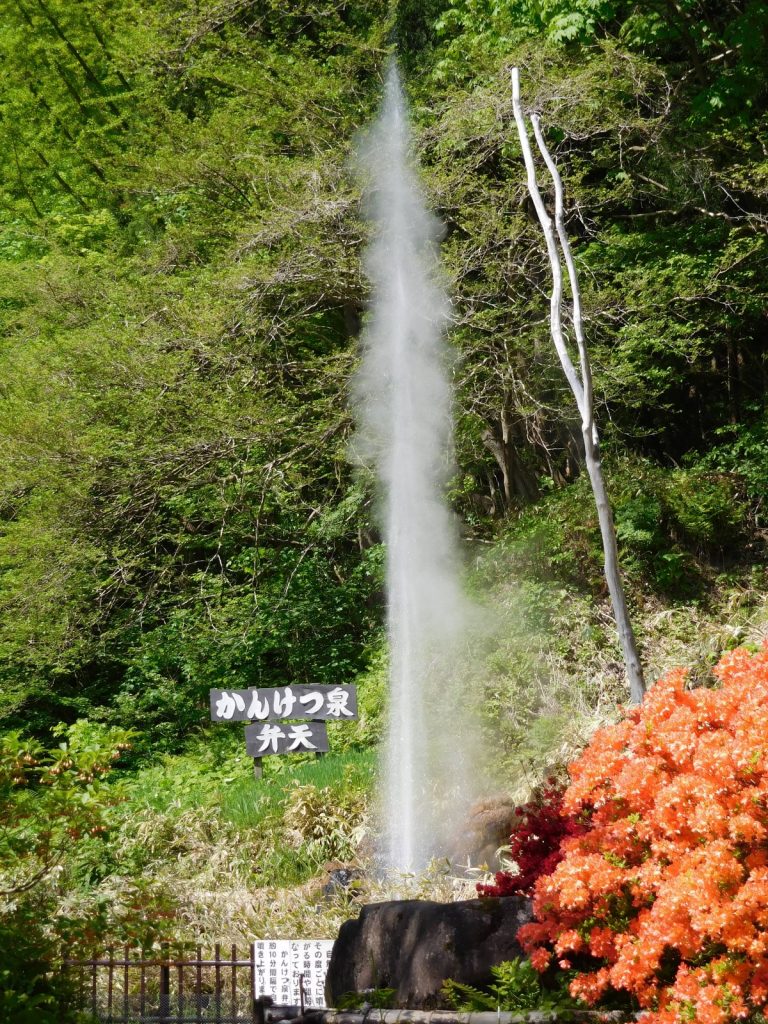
[(540, 958), (674, 865)]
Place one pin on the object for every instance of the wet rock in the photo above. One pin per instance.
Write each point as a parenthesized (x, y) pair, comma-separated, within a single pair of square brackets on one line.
[(487, 829), (413, 946)]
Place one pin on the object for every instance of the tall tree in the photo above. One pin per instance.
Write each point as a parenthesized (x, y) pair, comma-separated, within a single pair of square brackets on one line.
[(580, 381)]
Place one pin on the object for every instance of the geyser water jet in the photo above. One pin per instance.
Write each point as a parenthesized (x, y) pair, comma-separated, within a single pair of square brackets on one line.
[(403, 402)]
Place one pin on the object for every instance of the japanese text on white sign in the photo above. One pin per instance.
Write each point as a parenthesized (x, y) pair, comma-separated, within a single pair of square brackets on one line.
[(279, 964)]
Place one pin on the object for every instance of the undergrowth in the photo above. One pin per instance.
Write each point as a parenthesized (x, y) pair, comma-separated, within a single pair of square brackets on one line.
[(516, 986), (218, 853)]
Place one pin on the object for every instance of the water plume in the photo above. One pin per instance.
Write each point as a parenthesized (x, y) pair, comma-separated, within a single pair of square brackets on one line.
[(403, 403)]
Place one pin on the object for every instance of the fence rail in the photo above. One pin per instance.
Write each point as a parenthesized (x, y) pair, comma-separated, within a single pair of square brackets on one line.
[(126, 987)]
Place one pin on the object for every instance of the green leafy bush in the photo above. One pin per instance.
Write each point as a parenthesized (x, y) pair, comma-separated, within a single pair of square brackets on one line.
[(54, 805), (378, 998), (705, 507), (741, 451), (516, 986), (32, 988), (666, 522)]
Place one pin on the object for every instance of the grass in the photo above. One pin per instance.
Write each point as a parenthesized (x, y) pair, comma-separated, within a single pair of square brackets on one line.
[(248, 802), (207, 799)]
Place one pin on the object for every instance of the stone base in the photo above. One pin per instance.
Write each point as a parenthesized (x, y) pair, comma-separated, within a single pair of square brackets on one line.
[(413, 946)]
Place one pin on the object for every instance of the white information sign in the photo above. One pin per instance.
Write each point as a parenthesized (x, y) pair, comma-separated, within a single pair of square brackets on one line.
[(279, 964)]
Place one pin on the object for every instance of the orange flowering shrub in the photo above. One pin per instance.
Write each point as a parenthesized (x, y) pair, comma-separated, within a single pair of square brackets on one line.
[(665, 896)]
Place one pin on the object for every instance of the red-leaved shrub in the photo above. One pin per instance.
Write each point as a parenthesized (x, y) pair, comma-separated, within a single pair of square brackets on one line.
[(535, 843), (665, 896)]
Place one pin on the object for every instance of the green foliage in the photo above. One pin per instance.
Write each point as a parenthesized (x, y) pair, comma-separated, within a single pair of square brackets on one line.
[(51, 799), (516, 986), (182, 290), (338, 776), (706, 507), (30, 990), (277, 830), (56, 806), (669, 524), (163, 503), (377, 998), (721, 46), (330, 825), (740, 450), (180, 299)]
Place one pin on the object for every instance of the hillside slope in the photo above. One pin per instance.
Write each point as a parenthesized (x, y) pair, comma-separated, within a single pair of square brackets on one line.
[(181, 295)]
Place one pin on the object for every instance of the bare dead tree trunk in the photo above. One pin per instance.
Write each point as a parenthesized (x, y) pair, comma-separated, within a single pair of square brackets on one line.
[(580, 380)]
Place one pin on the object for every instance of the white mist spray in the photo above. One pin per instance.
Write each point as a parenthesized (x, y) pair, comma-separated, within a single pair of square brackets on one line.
[(404, 413)]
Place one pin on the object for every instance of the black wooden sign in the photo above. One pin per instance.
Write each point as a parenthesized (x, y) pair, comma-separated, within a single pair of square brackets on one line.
[(284, 738), (269, 704)]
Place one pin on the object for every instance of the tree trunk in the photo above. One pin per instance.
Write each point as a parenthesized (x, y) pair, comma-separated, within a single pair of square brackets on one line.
[(580, 381), (518, 482), (612, 572)]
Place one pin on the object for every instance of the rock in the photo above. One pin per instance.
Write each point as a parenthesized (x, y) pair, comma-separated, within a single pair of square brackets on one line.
[(335, 880), (487, 829), (342, 879), (413, 946)]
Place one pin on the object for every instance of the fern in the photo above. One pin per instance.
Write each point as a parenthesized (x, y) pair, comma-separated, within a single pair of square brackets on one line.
[(465, 997), (516, 986)]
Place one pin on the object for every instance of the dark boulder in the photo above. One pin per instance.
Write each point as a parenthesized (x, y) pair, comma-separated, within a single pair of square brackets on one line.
[(413, 946)]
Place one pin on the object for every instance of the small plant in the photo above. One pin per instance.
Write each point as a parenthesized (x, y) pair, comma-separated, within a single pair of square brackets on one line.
[(516, 986), (56, 807), (378, 998), (329, 823), (705, 507)]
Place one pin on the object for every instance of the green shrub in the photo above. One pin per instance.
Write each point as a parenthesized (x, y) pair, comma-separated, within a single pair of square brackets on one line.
[(667, 521), (31, 990), (378, 998), (55, 805), (516, 986), (329, 824), (742, 452), (705, 507)]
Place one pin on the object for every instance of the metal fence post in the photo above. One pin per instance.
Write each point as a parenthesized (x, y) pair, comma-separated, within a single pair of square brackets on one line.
[(165, 985), (217, 976), (110, 982), (126, 979), (180, 1007)]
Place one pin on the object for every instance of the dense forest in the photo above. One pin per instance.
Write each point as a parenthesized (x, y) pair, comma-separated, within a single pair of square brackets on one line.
[(181, 504)]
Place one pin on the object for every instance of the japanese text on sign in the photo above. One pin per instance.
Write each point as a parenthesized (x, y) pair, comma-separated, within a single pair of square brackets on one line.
[(269, 738), (279, 963), (320, 703)]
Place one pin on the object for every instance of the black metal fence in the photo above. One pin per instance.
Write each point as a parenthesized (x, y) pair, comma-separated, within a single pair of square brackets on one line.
[(128, 987)]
